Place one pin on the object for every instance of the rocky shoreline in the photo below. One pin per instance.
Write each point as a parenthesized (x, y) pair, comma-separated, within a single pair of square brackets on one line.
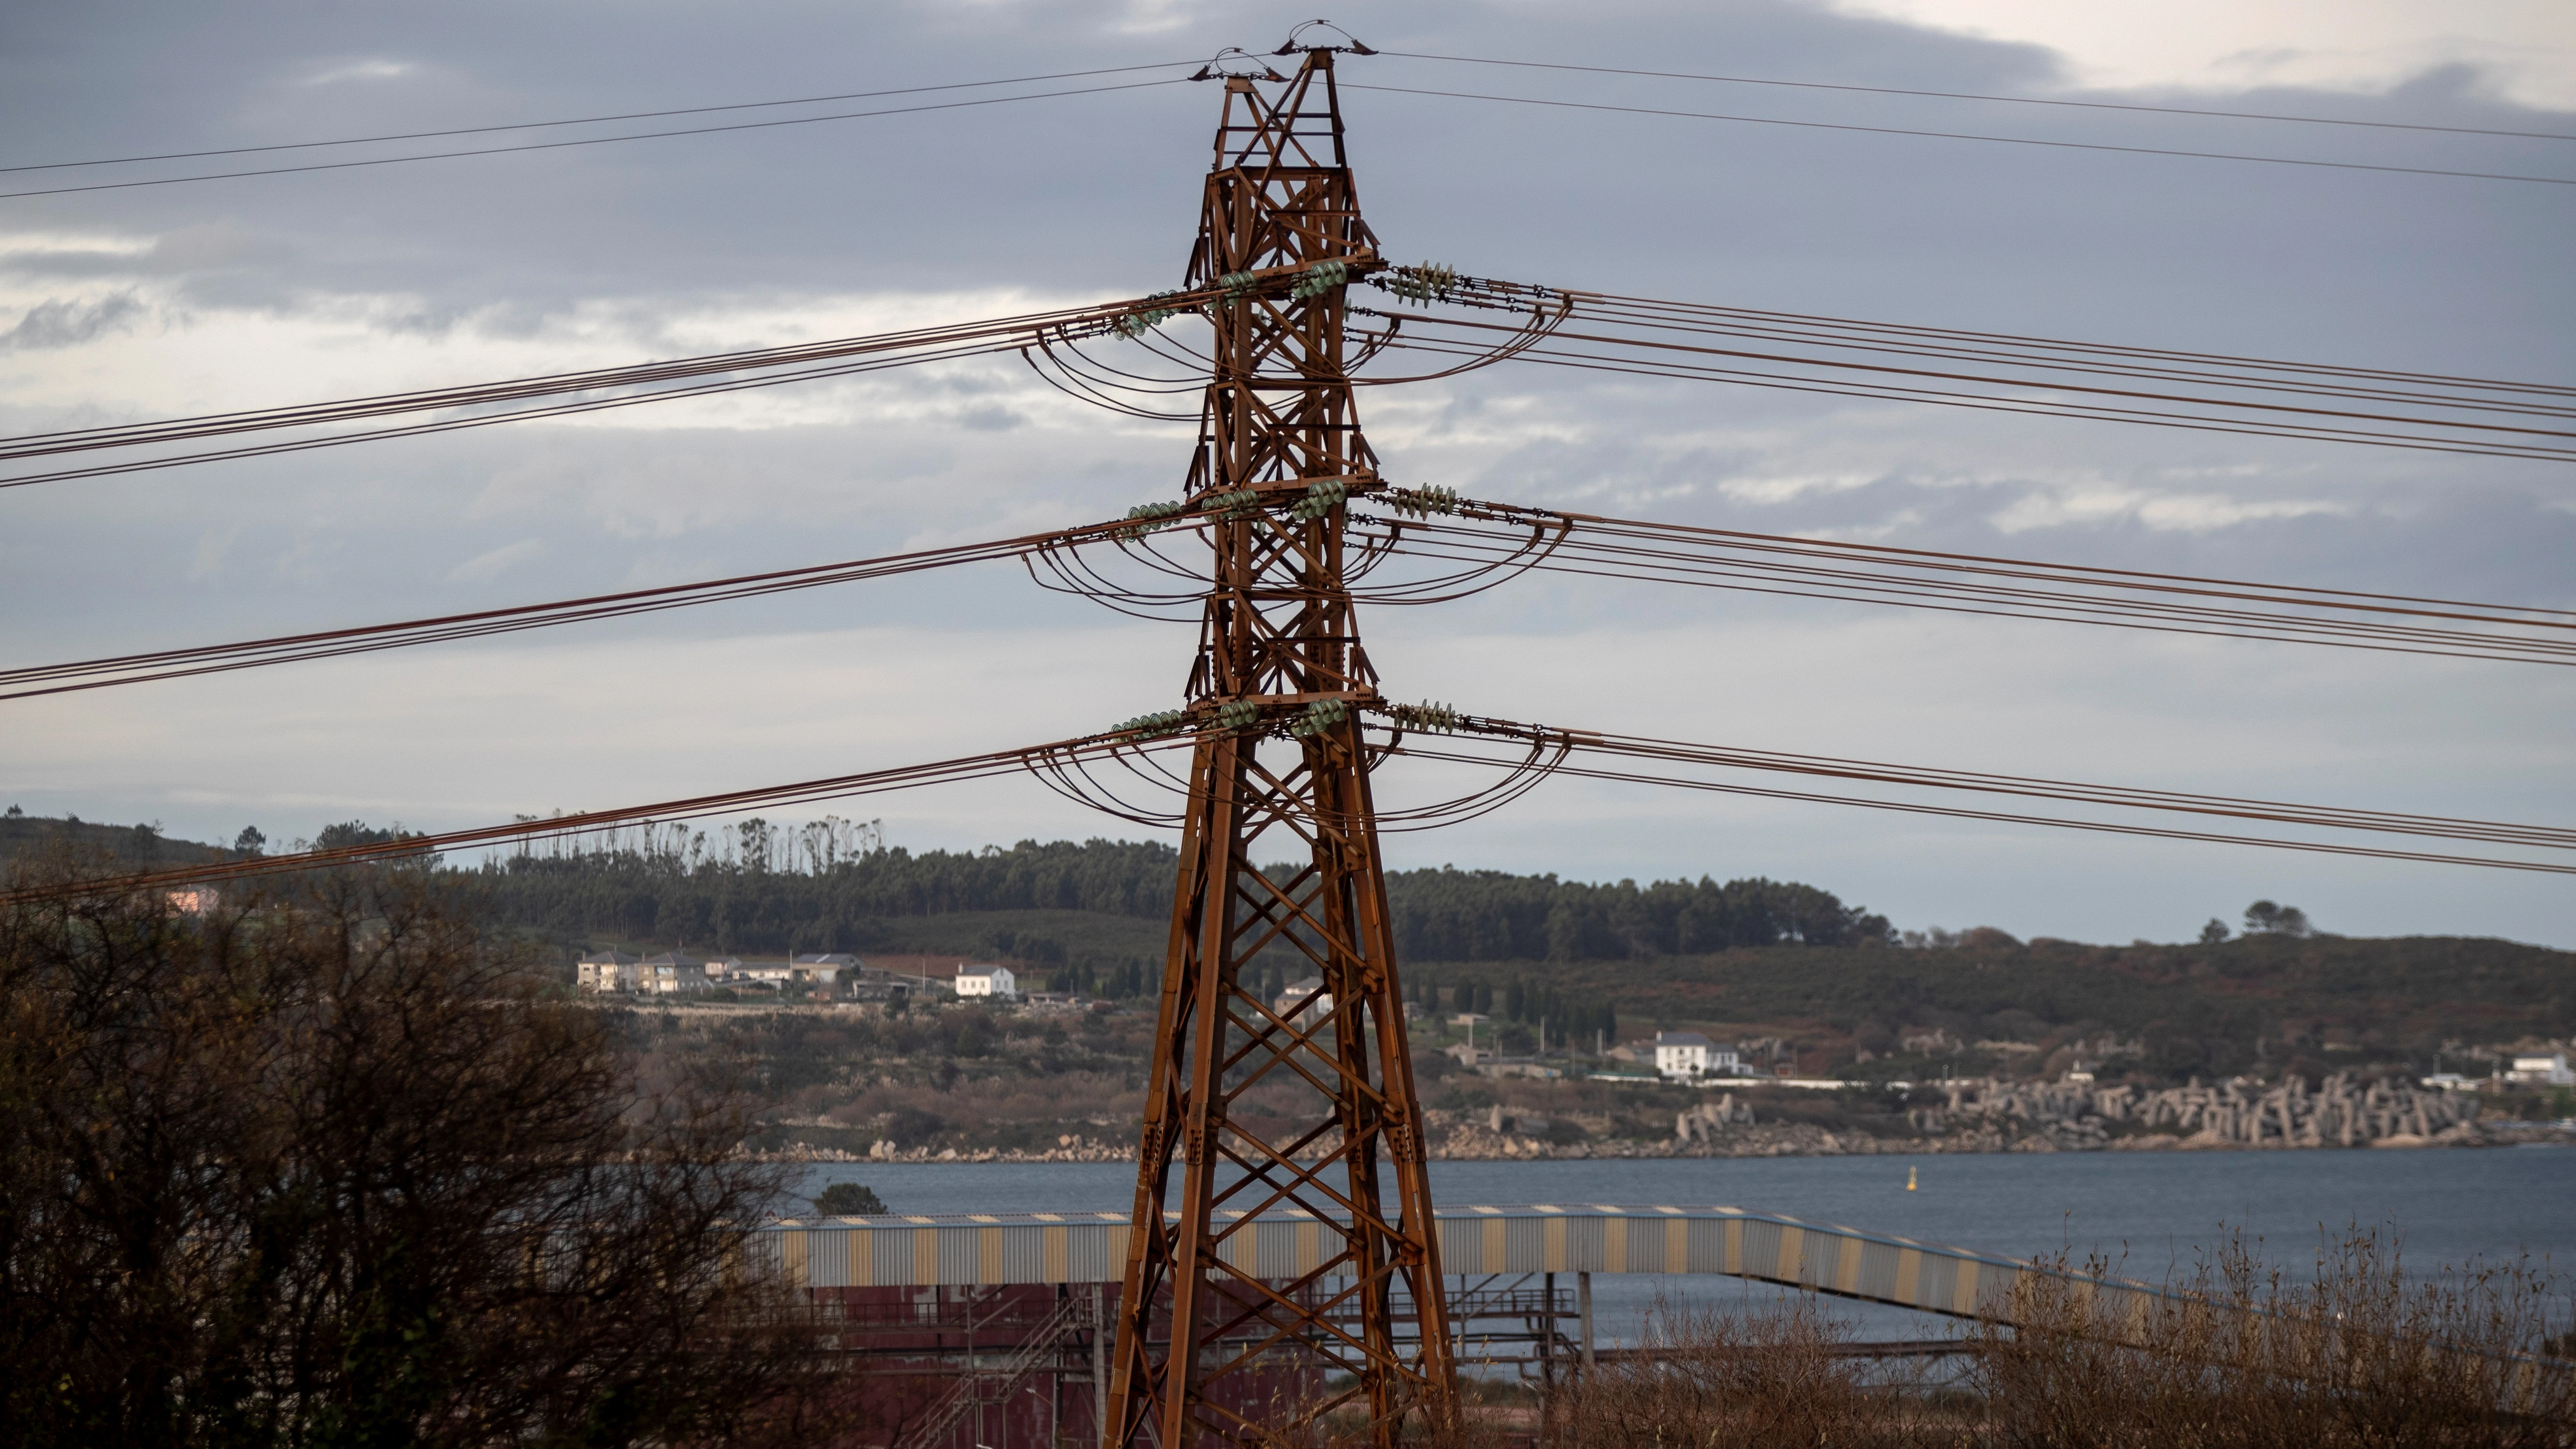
[(1473, 1142)]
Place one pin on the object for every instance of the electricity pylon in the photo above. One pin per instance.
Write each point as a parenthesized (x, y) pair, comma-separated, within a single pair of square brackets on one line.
[(1306, 1109)]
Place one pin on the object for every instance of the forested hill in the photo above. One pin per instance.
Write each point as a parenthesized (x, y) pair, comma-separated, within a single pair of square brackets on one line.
[(135, 847), (1448, 915), (764, 893)]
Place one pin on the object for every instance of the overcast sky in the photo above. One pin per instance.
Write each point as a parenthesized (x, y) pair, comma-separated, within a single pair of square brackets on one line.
[(163, 301)]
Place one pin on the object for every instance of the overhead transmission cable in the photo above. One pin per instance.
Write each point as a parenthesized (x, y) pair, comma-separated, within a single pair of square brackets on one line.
[(594, 140), (1955, 812), (1630, 747), (1746, 80), (1847, 357), (734, 371), (415, 847), (2103, 146), (26, 683), (1499, 537), (1146, 736), (592, 120), (1850, 358), (1790, 382)]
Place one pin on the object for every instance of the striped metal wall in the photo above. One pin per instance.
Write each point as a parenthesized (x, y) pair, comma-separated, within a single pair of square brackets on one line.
[(1544, 1238)]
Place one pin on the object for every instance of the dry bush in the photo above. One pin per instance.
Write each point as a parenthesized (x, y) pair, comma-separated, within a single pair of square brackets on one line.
[(1711, 1380), (2241, 1356)]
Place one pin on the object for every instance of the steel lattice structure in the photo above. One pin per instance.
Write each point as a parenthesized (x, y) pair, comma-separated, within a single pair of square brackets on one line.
[(1279, 655)]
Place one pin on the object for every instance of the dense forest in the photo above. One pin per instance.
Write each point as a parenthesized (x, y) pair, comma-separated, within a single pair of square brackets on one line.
[(843, 903)]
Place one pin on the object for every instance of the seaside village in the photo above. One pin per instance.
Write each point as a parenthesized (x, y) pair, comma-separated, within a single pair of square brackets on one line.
[(1749, 1102)]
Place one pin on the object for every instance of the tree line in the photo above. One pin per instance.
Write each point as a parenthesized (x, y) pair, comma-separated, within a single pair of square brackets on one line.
[(751, 901)]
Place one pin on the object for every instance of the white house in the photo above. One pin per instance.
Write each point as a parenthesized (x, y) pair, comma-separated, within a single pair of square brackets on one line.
[(1682, 1055), (996, 982), (671, 974), (1306, 993), (606, 971), (2548, 1071), (720, 968), (766, 973)]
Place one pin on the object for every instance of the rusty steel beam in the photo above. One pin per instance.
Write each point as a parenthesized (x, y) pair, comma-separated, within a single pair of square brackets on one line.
[(1282, 677)]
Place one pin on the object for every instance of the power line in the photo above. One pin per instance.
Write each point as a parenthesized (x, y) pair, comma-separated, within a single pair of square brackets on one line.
[(34, 680), (2011, 372), (1790, 382), (2048, 363), (774, 366), (1501, 536), (1127, 741), (596, 140), (2059, 384), (837, 787), (2009, 100), (1495, 536), (2202, 837), (1967, 136), (556, 410), (1756, 321), (2037, 787), (590, 120)]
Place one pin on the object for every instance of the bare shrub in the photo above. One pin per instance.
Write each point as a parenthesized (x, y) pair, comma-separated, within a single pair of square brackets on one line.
[(1703, 1379), (2241, 1356)]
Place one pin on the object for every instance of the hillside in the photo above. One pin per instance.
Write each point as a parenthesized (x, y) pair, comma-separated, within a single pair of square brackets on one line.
[(136, 846), (2158, 1012), (1820, 983)]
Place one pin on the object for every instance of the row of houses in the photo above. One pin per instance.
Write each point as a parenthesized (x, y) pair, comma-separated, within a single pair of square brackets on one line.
[(834, 973)]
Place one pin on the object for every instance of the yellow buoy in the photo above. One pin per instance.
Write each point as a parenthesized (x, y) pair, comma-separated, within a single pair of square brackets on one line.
[(1909, 1179)]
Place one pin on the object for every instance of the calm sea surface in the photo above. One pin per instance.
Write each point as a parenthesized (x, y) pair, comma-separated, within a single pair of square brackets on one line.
[(2155, 1212)]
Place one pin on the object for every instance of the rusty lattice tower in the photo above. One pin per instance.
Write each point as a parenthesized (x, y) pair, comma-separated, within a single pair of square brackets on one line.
[(1305, 1109)]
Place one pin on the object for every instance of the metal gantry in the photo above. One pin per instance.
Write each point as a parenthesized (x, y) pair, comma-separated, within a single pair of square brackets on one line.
[(1281, 679)]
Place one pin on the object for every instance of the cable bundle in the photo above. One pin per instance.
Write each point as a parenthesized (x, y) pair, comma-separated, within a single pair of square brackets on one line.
[(1892, 362), (1500, 535)]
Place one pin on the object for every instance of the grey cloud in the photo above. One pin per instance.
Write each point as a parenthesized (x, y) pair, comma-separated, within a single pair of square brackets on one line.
[(66, 323)]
